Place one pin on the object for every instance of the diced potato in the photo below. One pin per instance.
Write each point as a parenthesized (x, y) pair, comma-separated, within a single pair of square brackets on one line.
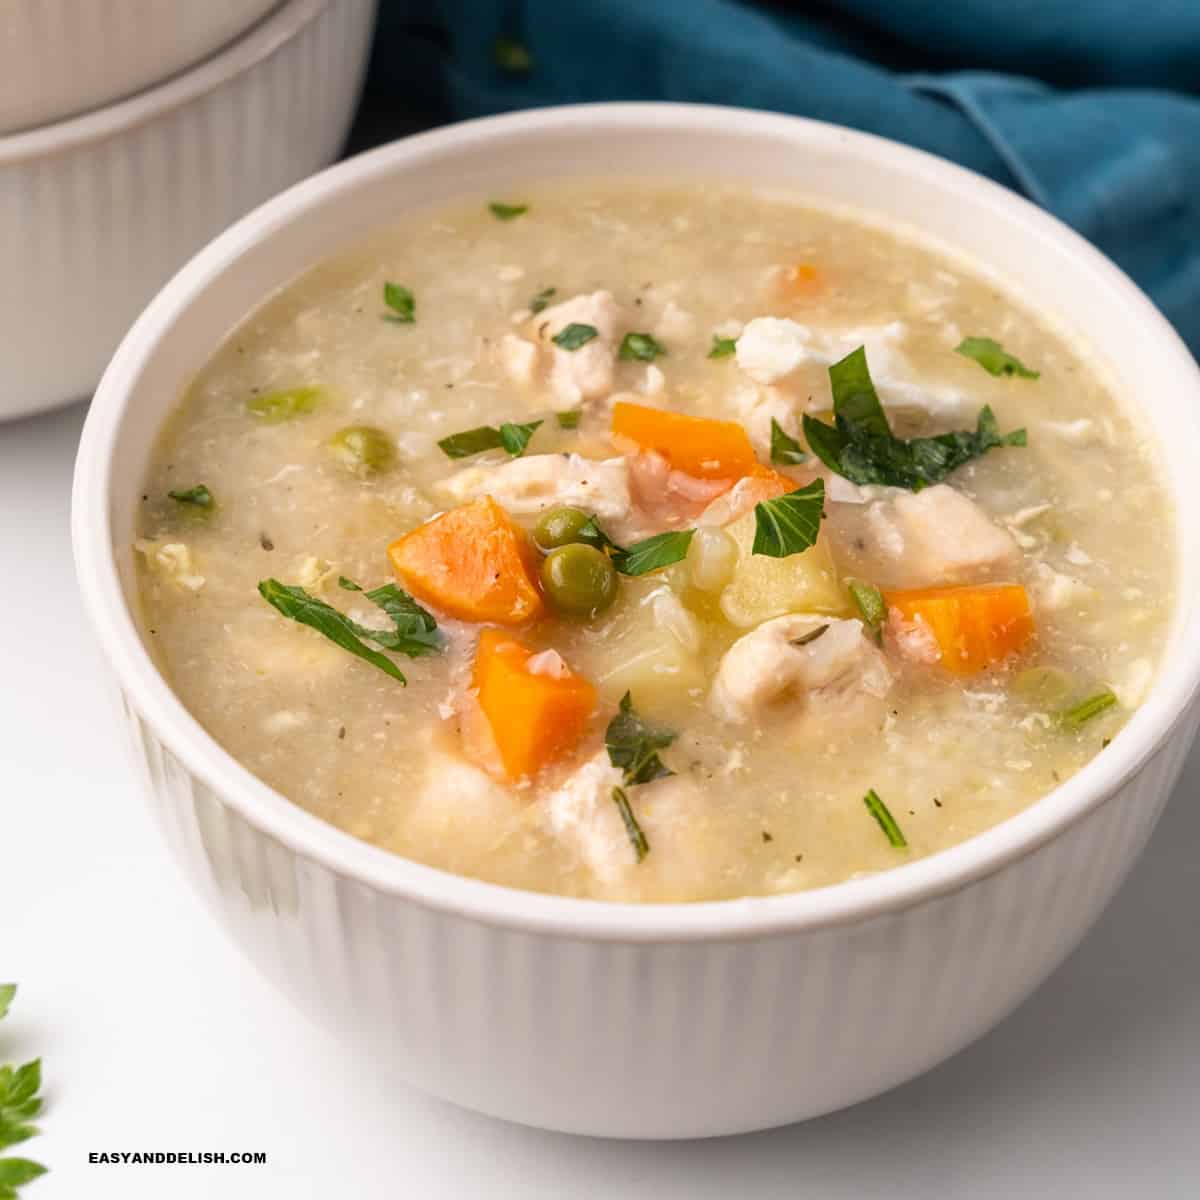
[(764, 587), (651, 649)]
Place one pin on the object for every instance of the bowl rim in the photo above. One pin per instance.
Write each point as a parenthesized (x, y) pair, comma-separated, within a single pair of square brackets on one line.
[(356, 862), (260, 42)]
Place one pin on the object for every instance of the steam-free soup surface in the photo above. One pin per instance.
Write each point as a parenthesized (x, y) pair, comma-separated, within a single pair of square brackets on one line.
[(949, 649)]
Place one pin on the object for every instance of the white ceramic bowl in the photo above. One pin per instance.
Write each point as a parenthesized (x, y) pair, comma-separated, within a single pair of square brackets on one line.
[(63, 57), (97, 212), (675, 1020)]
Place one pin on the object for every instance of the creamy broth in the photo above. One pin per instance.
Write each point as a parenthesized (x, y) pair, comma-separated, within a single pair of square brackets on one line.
[(768, 791)]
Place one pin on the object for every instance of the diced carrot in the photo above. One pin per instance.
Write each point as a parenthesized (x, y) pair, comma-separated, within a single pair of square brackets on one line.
[(472, 563), (535, 718), (974, 627), (696, 446)]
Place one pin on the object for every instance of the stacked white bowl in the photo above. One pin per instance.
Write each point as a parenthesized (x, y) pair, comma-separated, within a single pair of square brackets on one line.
[(131, 132)]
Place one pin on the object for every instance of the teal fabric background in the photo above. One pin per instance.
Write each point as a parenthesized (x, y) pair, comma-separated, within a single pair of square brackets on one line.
[(1091, 108)]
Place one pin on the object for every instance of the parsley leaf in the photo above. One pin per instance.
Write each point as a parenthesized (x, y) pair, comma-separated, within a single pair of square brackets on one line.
[(542, 299), (274, 407), (569, 420), (869, 601), (633, 745), (640, 347), (642, 557), (572, 336), (784, 448), (506, 212), (16, 1171), (19, 1104), (199, 496), (512, 56), (402, 303), (654, 553), (509, 437), (993, 358), (591, 534), (722, 347), (514, 438), (641, 847), (414, 634), (416, 630), (861, 447), (887, 822), (789, 524)]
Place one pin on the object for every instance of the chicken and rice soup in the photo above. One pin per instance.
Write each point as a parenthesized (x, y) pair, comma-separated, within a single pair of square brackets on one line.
[(655, 543)]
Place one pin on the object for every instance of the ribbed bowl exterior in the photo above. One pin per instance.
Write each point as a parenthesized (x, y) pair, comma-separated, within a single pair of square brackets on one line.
[(62, 57), (661, 1040), (90, 232)]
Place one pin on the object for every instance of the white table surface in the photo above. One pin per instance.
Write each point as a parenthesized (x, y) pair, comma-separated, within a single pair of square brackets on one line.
[(157, 1035)]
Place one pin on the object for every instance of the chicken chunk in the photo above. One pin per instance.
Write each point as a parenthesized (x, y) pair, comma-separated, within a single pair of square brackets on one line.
[(587, 373), (772, 348), (684, 830), (800, 661), (923, 539), (758, 406), (540, 481)]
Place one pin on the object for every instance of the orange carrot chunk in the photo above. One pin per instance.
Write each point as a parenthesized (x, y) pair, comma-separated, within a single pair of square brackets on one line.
[(696, 446), (535, 718), (472, 563), (974, 627)]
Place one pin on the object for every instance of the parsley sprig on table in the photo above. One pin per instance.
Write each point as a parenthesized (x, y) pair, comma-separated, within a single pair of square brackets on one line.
[(19, 1104)]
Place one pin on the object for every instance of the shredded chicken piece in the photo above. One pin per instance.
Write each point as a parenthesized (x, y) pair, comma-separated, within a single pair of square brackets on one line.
[(537, 482), (786, 661)]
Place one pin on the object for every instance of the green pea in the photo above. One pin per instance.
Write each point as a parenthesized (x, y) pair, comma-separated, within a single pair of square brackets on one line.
[(579, 580), (362, 449), (560, 527)]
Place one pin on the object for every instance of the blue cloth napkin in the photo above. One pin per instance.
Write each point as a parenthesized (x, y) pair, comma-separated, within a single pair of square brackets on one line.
[(1091, 110)]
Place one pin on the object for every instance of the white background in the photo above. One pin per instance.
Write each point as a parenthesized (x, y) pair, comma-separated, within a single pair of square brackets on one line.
[(157, 1035)]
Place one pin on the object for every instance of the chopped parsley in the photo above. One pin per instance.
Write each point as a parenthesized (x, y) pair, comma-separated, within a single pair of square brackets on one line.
[(569, 420), (789, 524), (785, 450), (993, 358), (402, 303), (572, 336), (512, 56), (506, 212), (722, 347), (198, 496), (868, 599), (654, 553), (641, 847), (887, 822), (415, 630), (861, 447), (19, 1105), (1079, 714), (509, 437), (811, 635), (633, 745), (542, 299), (274, 407), (640, 347)]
